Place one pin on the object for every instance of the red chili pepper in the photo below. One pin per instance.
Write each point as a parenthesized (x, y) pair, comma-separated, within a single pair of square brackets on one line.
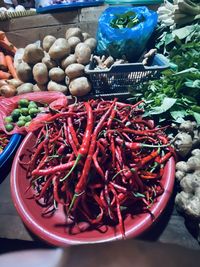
[(119, 187), (119, 215), (96, 164), (141, 121), (71, 128), (35, 154), (112, 148), (52, 170), (147, 138), (163, 139), (150, 132), (132, 174), (71, 141), (86, 139), (127, 137), (119, 156), (55, 191), (136, 146), (149, 175), (111, 118), (83, 179), (45, 187), (61, 149), (42, 162)]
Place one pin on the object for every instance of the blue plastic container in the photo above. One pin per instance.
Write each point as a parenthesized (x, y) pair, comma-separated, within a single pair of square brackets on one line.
[(10, 149), (43, 6)]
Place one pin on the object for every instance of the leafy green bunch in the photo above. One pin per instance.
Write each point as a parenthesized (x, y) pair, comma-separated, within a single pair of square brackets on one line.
[(126, 20), (176, 95)]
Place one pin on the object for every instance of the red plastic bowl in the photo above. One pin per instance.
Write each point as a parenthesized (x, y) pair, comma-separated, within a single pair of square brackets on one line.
[(50, 229)]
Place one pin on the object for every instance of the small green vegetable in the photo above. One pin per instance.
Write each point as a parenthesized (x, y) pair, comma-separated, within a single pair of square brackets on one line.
[(21, 123), (8, 119), (24, 111), (33, 112), (9, 127), (23, 103), (27, 124), (28, 118), (22, 118), (15, 114), (32, 104)]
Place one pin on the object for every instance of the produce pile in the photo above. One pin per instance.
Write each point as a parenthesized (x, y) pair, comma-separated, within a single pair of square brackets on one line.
[(56, 65), (176, 95), (179, 13), (3, 141), (22, 115), (100, 160), (7, 69)]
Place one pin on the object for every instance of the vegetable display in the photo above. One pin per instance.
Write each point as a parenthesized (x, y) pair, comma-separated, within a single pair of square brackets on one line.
[(100, 160), (126, 20), (188, 199), (57, 65), (7, 70), (22, 115), (179, 13), (3, 141), (176, 95)]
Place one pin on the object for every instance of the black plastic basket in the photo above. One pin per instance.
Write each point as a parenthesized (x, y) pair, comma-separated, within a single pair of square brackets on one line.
[(119, 80)]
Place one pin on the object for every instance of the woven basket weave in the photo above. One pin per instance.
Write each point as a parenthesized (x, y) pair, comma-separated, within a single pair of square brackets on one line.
[(17, 14)]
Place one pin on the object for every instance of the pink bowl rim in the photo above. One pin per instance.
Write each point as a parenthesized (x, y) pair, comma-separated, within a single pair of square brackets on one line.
[(56, 240)]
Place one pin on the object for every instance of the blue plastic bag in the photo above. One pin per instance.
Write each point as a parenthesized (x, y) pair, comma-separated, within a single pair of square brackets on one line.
[(128, 43)]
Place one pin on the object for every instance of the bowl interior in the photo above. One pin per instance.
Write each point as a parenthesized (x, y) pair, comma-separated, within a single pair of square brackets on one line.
[(54, 230)]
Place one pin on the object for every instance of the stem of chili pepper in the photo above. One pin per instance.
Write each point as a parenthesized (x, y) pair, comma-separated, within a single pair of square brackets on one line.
[(86, 139), (147, 138), (136, 146), (117, 174), (83, 179)]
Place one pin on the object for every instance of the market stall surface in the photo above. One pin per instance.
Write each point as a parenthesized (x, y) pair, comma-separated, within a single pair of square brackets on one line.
[(170, 228)]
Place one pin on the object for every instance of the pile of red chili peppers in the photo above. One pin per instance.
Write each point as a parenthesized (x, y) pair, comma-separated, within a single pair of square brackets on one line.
[(101, 161), (3, 141)]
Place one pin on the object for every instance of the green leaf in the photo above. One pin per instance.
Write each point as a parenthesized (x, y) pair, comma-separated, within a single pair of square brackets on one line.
[(168, 38), (186, 71), (166, 105), (177, 114), (182, 33), (193, 84)]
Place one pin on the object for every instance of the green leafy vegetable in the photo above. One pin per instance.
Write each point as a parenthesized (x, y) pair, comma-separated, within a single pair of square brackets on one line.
[(176, 95), (127, 20)]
